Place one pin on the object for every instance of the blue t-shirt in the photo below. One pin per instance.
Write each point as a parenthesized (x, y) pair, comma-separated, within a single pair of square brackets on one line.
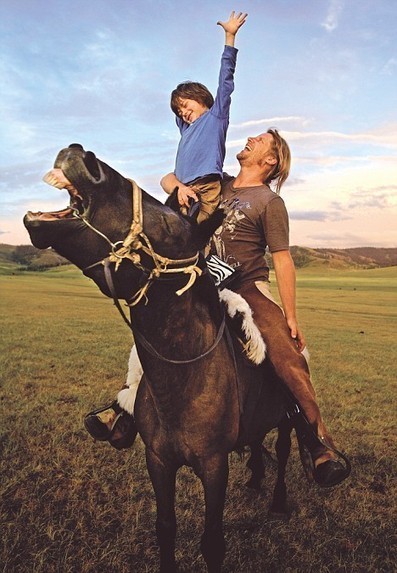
[(201, 149)]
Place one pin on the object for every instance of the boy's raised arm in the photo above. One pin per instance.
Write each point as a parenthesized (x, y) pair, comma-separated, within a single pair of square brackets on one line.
[(232, 26)]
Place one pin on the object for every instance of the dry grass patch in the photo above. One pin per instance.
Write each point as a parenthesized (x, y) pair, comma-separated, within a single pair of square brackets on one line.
[(70, 505)]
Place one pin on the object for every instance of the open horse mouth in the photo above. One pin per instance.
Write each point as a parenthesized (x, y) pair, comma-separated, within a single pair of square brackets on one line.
[(57, 179)]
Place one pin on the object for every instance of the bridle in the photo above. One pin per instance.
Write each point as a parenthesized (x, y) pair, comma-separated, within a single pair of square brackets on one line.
[(135, 241)]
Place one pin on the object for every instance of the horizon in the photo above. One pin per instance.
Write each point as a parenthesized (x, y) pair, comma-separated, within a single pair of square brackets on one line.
[(29, 244), (102, 74)]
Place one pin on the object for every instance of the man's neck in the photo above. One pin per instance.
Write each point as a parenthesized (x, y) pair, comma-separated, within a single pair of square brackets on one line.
[(249, 178)]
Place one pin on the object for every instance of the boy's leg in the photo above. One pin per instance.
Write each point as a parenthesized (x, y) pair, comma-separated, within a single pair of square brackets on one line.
[(115, 422), (209, 194)]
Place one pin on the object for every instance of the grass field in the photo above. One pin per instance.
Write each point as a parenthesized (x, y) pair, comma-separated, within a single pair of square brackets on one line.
[(70, 505)]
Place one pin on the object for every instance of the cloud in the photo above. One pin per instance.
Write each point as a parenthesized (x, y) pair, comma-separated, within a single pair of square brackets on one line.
[(332, 18), (332, 160), (271, 121), (381, 197), (383, 138), (337, 239), (293, 180), (308, 215), (321, 216), (389, 69)]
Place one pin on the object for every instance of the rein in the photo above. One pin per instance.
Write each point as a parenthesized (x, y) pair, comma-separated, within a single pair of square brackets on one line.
[(149, 348), (137, 240)]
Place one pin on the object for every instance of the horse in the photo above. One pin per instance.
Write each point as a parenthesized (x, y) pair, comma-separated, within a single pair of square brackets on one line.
[(200, 398)]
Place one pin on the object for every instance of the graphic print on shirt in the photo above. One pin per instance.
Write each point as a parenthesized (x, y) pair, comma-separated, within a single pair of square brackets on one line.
[(228, 227)]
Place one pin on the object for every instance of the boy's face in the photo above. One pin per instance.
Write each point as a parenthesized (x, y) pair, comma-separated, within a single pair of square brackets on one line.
[(190, 110)]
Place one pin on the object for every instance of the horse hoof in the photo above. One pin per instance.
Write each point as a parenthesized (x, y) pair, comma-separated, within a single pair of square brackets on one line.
[(279, 512)]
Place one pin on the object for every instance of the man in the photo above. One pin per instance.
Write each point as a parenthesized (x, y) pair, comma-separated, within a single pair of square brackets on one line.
[(257, 218)]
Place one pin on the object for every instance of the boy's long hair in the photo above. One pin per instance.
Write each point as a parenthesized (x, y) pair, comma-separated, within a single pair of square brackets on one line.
[(191, 90), (282, 153)]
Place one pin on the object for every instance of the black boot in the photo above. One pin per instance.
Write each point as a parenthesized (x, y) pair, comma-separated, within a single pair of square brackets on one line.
[(123, 431), (311, 446)]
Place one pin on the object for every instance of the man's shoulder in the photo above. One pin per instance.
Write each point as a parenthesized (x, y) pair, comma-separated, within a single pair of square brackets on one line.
[(226, 178)]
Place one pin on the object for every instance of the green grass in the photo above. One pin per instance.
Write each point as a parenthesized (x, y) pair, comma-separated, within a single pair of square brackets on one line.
[(70, 505)]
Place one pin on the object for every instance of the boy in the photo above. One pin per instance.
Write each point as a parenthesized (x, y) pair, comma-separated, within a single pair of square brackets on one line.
[(203, 124)]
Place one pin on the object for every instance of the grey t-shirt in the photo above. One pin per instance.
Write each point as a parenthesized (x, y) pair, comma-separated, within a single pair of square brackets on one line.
[(256, 218)]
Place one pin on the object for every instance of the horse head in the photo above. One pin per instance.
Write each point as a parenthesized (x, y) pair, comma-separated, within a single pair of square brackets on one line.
[(100, 217)]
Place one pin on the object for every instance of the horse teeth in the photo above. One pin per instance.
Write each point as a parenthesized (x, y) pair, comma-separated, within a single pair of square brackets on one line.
[(51, 180)]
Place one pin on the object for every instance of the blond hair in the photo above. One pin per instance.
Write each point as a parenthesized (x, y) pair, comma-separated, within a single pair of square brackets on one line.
[(282, 153)]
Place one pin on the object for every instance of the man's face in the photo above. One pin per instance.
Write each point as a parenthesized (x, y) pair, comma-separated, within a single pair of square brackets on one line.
[(258, 150), (190, 110)]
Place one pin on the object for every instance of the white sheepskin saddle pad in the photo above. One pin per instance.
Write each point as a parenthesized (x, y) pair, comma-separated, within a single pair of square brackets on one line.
[(251, 340)]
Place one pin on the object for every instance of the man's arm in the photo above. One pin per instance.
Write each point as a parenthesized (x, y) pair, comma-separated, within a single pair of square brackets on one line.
[(286, 283)]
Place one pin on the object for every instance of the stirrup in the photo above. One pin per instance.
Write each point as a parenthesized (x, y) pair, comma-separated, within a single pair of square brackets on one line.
[(123, 432), (98, 429)]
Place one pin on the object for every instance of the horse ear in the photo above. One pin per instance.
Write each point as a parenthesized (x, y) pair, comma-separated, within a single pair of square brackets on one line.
[(92, 165), (204, 230), (172, 200)]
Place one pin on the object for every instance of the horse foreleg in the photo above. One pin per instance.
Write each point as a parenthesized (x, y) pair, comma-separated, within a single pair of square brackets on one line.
[(214, 477), (256, 465), (163, 480), (283, 448)]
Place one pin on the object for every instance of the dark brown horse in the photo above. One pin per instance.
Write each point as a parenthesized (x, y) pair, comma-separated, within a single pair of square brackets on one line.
[(199, 398)]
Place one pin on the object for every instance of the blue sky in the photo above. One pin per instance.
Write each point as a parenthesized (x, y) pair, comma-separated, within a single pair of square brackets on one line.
[(100, 72)]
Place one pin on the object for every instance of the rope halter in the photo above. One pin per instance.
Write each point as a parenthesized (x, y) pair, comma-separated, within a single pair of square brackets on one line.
[(137, 240)]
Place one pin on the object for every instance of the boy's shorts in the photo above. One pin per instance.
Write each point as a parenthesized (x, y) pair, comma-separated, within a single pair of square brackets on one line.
[(208, 190)]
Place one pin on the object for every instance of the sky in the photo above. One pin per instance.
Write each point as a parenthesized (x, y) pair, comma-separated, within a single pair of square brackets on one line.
[(100, 73)]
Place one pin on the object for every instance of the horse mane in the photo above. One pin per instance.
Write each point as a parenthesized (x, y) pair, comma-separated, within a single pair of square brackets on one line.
[(204, 230), (201, 231)]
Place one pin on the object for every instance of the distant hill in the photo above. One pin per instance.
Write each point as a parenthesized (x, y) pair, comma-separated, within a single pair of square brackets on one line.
[(359, 257), (27, 257)]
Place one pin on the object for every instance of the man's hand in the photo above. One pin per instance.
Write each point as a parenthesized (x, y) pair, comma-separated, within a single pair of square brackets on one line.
[(232, 26), (296, 334)]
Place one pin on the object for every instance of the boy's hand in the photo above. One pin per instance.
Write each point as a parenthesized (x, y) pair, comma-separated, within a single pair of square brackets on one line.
[(184, 194), (234, 23)]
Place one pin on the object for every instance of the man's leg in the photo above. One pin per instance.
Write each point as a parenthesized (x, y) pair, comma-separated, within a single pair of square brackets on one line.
[(292, 369)]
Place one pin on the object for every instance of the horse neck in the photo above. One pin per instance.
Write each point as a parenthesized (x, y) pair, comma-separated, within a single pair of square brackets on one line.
[(178, 327)]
